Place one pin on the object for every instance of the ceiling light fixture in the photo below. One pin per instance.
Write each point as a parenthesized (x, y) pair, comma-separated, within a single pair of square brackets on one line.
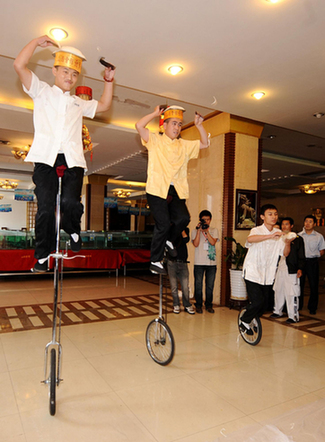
[(310, 189), (272, 1), (7, 184), (175, 69), (318, 115), (20, 154), (58, 34), (258, 95), (121, 193)]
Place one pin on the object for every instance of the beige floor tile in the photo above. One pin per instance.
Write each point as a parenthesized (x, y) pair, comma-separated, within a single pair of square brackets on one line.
[(278, 410), (93, 417), (80, 379), (3, 362), (96, 343), (8, 404), (11, 429), (294, 366), (132, 368), (236, 383), (221, 431), (198, 355), (177, 407)]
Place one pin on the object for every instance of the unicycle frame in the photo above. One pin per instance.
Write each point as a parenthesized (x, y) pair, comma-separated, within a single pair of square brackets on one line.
[(58, 279), (53, 358)]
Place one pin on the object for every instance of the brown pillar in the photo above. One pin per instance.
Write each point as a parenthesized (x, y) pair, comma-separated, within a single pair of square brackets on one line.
[(94, 191)]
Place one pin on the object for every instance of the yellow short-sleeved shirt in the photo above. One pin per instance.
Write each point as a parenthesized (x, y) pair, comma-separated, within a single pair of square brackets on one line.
[(167, 163)]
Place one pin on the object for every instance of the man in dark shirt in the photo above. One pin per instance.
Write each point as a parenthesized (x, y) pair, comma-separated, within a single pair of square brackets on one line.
[(178, 270), (287, 281)]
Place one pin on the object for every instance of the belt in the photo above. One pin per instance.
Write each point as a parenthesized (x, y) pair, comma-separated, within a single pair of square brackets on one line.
[(311, 259)]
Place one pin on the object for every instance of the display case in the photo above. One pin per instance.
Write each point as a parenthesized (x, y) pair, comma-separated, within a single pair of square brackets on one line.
[(17, 239)]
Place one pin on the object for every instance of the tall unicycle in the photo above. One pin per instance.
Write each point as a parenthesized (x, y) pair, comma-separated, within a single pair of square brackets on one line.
[(159, 337), (53, 349), (254, 335)]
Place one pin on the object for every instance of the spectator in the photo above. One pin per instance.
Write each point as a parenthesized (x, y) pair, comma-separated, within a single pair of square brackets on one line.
[(204, 238)]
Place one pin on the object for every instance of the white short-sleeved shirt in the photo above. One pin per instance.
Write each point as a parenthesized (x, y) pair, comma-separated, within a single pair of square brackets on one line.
[(58, 124), (262, 257), (205, 253), (314, 242)]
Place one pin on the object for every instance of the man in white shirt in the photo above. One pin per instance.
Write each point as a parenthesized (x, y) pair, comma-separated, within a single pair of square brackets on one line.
[(314, 249), (58, 142), (204, 239), (264, 248)]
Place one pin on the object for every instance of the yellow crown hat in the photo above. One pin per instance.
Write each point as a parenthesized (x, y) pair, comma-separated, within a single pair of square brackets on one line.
[(174, 112), (69, 57)]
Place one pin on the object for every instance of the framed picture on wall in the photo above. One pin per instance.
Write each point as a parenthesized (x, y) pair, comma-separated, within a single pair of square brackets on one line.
[(319, 213), (246, 201)]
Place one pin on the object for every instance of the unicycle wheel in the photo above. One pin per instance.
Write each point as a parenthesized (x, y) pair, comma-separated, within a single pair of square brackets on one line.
[(256, 327), (160, 342), (52, 382)]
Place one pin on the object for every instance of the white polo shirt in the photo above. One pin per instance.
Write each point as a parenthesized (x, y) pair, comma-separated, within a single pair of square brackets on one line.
[(314, 242), (58, 124), (262, 257)]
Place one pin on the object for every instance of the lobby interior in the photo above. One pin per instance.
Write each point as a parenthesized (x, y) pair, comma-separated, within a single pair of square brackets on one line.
[(217, 388)]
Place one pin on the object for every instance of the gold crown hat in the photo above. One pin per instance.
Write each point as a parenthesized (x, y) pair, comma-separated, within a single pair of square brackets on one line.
[(174, 112), (69, 57)]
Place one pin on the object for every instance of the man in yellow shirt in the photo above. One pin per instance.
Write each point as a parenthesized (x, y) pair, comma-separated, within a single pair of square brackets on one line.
[(167, 186)]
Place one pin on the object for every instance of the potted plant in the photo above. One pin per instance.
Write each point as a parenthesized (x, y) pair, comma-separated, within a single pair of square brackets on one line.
[(237, 284)]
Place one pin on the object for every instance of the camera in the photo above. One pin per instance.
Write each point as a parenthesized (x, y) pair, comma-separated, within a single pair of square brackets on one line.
[(202, 225)]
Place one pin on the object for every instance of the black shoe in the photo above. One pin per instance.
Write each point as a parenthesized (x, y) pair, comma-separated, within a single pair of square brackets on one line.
[(210, 310), (157, 270), (40, 268), (172, 252), (199, 310), (290, 321), (75, 245), (312, 312), (274, 316), (246, 330)]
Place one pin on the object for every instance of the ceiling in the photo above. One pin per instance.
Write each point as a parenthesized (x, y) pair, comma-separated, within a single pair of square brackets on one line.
[(229, 49)]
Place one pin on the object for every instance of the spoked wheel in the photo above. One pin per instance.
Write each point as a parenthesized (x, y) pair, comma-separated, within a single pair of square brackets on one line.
[(160, 342), (52, 382), (256, 327)]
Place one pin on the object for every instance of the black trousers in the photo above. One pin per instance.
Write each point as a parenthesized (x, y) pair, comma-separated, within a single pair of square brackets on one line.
[(311, 271), (171, 217), (47, 184), (258, 296)]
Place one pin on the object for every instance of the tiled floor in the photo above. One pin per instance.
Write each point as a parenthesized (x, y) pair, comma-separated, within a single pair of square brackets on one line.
[(113, 391)]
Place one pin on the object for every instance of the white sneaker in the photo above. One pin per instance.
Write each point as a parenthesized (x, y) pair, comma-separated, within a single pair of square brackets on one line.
[(190, 310), (177, 309)]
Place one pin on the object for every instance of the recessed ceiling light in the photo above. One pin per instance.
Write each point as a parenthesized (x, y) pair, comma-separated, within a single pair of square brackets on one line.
[(258, 95), (272, 1), (58, 34), (271, 137), (175, 69), (319, 115)]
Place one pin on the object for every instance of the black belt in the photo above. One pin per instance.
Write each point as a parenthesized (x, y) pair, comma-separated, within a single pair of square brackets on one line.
[(311, 259)]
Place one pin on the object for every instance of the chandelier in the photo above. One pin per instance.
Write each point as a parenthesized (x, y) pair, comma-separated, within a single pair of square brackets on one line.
[(121, 193), (7, 184), (20, 154), (310, 189)]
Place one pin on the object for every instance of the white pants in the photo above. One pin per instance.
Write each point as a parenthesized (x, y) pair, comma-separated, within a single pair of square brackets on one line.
[(286, 289)]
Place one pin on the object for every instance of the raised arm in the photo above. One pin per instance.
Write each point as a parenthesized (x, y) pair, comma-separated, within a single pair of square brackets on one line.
[(204, 139), (141, 124), (22, 60), (105, 101), (260, 238)]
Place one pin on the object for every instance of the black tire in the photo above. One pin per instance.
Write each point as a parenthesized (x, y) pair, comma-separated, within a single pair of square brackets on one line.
[(160, 342), (52, 386), (256, 327)]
